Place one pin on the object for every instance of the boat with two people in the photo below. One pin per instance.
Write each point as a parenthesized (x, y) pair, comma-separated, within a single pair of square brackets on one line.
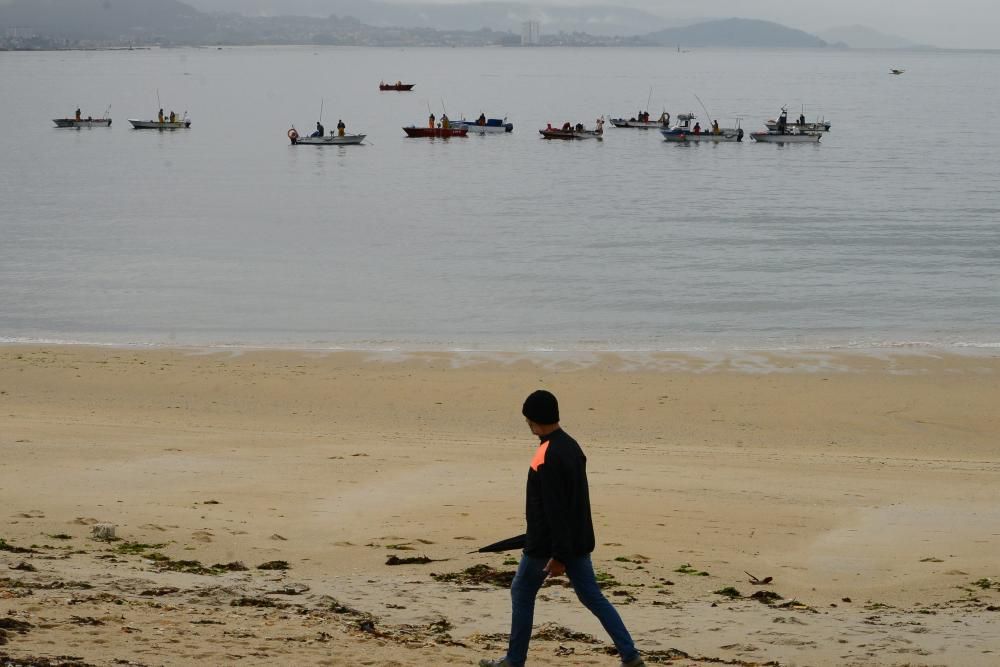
[(570, 131), (399, 86), (320, 138), (821, 125), (642, 121), (79, 121), (684, 131), (484, 125), (783, 133), (168, 122), (441, 129)]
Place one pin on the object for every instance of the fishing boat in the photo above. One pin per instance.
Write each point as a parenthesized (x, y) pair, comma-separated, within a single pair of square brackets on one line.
[(485, 125), (399, 86), (439, 132), (79, 121), (329, 140), (683, 131), (802, 125), (182, 123), (578, 131), (783, 133), (643, 122)]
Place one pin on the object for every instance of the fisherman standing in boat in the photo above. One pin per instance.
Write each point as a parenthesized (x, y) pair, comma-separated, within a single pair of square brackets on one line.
[(78, 114), (173, 116), (445, 123), (159, 116), (430, 121), (715, 128), (340, 128), (560, 536), (482, 119)]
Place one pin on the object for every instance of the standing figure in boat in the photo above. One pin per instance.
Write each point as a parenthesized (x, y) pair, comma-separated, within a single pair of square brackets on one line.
[(159, 116), (430, 121), (341, 128)]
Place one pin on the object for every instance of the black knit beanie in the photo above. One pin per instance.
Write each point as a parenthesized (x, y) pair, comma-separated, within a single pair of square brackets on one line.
[(541, 407)]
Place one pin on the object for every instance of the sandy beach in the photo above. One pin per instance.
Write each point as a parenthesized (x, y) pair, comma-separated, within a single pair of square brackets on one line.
[(865, 485)]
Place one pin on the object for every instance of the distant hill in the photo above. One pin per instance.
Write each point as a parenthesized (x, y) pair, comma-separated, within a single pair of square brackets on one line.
[(736, 33), (105, 19), (595, 20), (863, 37)]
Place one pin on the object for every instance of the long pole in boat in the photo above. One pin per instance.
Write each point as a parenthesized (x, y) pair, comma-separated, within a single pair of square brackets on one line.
[(708, 116), (321, 102), (648, 100)]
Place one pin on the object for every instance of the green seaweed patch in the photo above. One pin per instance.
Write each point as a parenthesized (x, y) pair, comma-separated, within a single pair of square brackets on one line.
[(509, 560), (686, 568), (729, 592), (637, 559), (136, 548), (477, 574), (606, 580), (187, 566), (986, 584), (275, 565)]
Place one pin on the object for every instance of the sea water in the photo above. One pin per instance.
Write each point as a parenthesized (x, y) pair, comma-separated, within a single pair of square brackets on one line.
[(886, 233)]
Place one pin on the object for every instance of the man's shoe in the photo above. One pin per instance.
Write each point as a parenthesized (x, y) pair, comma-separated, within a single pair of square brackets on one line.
[(634, 662), (502, 662)]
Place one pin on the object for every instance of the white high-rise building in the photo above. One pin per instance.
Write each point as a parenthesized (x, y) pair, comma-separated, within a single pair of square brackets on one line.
[(529, 33)]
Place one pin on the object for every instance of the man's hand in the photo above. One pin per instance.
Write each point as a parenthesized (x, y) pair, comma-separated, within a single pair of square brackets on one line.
[(554, 568)]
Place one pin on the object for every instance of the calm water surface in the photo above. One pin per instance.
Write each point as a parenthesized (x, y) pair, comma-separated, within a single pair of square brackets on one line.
[(886, 233)]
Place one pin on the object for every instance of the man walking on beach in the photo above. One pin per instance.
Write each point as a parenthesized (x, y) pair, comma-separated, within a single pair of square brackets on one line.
[(560, 535)]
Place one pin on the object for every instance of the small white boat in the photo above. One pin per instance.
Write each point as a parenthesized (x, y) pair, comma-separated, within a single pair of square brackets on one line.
[(802, 125), (329, 140), (82, 122), (179, 124)]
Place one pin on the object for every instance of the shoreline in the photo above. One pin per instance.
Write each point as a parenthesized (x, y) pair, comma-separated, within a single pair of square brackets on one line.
[(865, 485)]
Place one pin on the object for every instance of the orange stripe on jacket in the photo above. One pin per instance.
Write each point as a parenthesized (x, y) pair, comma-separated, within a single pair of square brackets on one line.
[(539, 457)]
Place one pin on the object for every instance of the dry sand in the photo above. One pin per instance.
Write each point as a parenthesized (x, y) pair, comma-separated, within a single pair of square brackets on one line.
[(866, 485)]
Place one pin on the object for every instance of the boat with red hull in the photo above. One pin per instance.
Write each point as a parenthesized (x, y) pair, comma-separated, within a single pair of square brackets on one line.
[(442, 132), (401, 87)]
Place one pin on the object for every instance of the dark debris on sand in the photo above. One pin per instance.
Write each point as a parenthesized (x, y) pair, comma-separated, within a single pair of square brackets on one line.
[(274, 565), (477, 575), (40, 661), (409, 560)]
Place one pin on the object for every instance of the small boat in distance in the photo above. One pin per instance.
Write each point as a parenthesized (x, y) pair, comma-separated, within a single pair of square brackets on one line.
[(328, 140), (642, 121), (484, 125), (439, 132), (577, 131), (398, 86), (171, 122), (897, 72), (684, 131), (79, 121), (783, 133)]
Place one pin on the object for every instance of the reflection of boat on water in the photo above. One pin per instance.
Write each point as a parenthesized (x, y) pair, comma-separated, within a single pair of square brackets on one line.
[(439, 132), (398, 86), (485, 125), (577, 131), (683, 131), (329, 140)]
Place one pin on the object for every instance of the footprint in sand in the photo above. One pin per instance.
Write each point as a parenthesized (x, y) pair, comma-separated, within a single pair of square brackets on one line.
[(153, 526), (30, 514), (84, 521), (202, 536)]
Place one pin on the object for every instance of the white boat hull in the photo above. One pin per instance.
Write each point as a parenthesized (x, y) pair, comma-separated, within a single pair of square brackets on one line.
[(727, 134), (483, 129), (157, 125), (83, 122), (772, 126), (331, 140), (637, 124), (770, 138)]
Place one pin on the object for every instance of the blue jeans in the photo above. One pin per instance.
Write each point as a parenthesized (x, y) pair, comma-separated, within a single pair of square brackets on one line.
[(530, 577)]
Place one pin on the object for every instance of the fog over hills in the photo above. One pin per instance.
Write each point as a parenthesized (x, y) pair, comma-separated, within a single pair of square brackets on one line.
[(863, 37)]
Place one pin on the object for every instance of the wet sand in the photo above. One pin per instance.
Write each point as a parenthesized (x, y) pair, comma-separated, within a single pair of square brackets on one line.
[(865, 485)]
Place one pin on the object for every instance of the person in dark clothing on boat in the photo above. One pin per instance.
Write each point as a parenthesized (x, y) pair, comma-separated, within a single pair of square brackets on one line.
[(340, 128), (697, 128), (430, 121), (802, 119), (482, 119), (560, 535), (320, 130), (173, 116), (78, 113), (159, 116), (783, 122)]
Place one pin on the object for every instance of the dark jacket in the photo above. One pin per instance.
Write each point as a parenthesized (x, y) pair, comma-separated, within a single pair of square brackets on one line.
[(558, 501)]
